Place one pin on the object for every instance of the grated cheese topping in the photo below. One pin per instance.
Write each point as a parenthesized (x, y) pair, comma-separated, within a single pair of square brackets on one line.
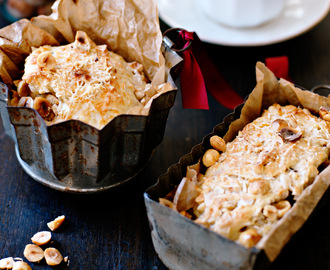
[(91, 84), (247, 189)]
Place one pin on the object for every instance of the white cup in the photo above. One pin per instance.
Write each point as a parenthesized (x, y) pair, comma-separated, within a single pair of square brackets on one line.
[(242, 13)]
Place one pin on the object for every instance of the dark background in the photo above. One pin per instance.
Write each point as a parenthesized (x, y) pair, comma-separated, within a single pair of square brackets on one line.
[(110, 230)]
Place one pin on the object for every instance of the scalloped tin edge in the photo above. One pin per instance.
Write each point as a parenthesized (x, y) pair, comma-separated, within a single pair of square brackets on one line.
[(74, 157), (172, 232)]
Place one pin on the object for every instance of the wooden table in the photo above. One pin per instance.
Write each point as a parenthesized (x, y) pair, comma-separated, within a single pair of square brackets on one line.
[(110, 230)]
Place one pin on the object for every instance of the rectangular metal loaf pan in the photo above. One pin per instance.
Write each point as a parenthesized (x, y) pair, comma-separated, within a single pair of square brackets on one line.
[(183, 244)]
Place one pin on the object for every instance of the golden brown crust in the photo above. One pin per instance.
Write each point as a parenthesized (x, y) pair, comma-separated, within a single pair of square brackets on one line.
[(90, 83), (245, 192)]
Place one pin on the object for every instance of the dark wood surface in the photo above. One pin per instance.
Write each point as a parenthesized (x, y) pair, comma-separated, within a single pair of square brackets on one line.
[(110, 230)]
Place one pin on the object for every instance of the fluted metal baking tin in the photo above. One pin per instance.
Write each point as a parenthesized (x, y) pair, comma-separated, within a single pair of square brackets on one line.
[(75, 157), (181, 243)]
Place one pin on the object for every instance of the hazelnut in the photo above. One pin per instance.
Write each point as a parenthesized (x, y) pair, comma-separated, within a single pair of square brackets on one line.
[(323, 112), (82, 41), (20, 265), (33, 253), (41, 238), (25, 102), (210, 157), (218, 143), (289, 134), (42, 106), (52, 99), (249, 238), (53, 256), (56, 223), (139, 94), (326, 117), (7, 263), (46, 60), (270, 211), (23, 89), (278, 124), (282, 207)]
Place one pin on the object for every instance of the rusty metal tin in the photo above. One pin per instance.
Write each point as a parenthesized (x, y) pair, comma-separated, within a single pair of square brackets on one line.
[(75, 157), (181, 243)]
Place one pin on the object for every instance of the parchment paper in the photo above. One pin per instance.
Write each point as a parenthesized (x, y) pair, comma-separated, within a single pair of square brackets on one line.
[(16, 42), (270, 90), (128, 27)]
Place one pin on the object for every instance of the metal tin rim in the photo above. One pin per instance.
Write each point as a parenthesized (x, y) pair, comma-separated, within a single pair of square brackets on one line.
[(63, 188), (107, 159)]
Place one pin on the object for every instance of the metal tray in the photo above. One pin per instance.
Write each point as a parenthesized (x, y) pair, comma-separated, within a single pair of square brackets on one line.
[(75, 157)]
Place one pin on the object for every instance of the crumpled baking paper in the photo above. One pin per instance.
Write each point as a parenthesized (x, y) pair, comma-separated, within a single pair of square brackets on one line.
[(270, 90), (128, 27)]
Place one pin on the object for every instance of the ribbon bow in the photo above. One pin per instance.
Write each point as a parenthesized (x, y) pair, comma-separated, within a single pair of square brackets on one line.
[(199, 73)]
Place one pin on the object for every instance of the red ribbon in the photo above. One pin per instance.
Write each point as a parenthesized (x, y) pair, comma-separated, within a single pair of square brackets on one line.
[(279, 65), (193, 88), (199, 70)]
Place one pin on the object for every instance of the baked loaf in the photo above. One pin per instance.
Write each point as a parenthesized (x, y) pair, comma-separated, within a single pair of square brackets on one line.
[(82, 81), (259, 175)]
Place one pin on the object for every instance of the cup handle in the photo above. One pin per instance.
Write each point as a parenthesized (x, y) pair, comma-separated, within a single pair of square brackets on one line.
[(322, 89)]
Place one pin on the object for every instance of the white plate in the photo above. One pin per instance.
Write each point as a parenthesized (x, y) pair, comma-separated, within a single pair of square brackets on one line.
[(297, 17)]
